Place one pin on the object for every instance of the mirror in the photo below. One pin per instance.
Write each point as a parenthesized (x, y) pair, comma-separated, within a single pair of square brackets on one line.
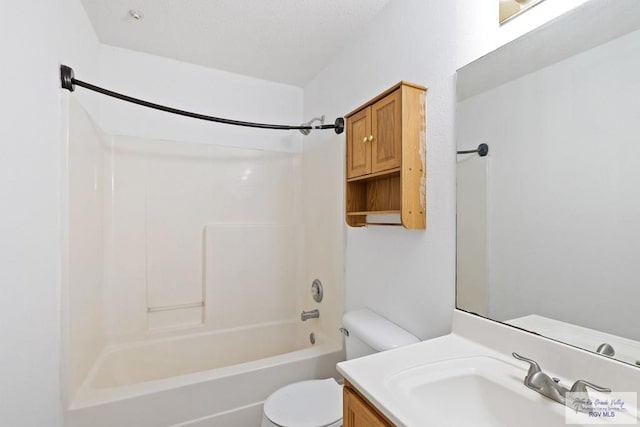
[(548, 235)]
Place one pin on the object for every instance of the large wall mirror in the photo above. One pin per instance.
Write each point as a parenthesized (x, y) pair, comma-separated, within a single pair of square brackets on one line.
[(549, 221)]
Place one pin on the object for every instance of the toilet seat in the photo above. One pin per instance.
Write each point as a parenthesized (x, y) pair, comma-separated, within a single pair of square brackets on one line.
[(314, 403)]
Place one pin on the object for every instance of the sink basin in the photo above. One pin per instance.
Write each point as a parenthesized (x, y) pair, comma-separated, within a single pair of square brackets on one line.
[(472, 391)]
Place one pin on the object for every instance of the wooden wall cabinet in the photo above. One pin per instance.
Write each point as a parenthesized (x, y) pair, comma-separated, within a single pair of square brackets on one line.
[(358, 412), (386, 158)]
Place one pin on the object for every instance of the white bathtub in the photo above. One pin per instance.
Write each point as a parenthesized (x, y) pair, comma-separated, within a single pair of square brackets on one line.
[(205, 379)]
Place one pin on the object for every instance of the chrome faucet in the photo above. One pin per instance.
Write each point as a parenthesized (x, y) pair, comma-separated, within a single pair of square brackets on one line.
[(313, 314), (550, 387)]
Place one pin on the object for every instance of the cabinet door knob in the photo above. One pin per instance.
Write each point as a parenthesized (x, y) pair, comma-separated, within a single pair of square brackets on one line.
[(370, 138), (364, 139)]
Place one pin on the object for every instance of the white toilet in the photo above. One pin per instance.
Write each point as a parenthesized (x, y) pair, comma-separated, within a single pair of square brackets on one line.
[(318, 403)]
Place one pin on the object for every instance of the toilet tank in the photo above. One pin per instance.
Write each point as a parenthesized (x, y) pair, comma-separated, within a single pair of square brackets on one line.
[(369, 333)]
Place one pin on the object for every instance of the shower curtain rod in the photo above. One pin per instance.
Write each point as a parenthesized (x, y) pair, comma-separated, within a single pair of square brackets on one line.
[(69, 82), (482, 150)]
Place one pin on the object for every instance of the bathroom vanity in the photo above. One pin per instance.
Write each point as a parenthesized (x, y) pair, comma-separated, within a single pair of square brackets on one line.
[(358, 411), (469, 377)]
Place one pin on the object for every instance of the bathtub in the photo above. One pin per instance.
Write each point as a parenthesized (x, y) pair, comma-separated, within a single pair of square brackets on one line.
[(202, 379)]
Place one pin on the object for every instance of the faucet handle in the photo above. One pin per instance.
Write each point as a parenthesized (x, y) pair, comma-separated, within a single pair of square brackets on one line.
[(580, 386), (534, 368)]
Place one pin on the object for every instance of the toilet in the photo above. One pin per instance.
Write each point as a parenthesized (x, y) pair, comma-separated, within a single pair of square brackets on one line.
[(318, 403)]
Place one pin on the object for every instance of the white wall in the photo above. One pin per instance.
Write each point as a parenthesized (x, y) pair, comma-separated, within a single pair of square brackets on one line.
[(407, 276), (563, 229), (36, 38), (197, 89)]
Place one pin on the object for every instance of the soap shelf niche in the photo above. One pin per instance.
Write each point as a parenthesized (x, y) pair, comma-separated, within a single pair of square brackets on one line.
[(373, 195)]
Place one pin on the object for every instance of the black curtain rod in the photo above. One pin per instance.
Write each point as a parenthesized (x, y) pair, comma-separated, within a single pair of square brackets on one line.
[(482, 150), (69, 82)]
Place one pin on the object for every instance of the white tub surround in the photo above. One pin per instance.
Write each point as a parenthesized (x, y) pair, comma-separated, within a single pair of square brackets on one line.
[(211, 376), (184, 280), (479, 343)]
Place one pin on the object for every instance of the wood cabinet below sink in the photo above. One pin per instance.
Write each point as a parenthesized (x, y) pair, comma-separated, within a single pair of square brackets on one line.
[(358, 412)]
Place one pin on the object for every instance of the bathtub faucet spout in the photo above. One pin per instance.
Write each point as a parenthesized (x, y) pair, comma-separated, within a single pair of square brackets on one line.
[(313, 314)]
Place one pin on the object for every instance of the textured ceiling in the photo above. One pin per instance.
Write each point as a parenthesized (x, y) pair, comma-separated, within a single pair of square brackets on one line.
[(287, 41)]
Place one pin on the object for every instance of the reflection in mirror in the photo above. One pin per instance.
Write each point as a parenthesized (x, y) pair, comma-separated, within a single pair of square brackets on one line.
[(549, 222), (509, 9)]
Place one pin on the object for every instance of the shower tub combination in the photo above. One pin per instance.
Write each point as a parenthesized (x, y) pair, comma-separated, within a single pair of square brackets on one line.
[(208, 379), (127, 213)]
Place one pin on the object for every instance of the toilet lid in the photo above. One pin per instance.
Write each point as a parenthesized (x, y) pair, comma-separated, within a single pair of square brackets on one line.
[(315, 403)]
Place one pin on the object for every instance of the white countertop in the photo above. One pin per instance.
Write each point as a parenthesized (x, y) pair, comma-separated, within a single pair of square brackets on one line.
[(473, 336)]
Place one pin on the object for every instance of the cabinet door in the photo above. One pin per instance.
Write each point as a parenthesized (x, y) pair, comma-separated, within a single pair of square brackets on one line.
[(358, 144), (357, 413), (386, 122)]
